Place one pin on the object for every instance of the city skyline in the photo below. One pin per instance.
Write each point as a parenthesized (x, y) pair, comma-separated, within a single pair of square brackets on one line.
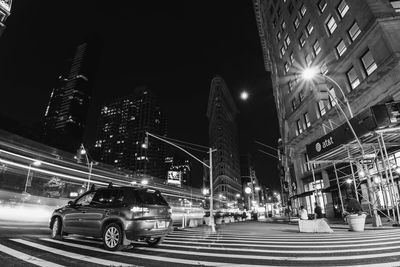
[(178, 64)]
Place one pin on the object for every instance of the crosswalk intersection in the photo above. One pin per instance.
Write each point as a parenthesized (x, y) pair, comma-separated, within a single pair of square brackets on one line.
[(200, 247)]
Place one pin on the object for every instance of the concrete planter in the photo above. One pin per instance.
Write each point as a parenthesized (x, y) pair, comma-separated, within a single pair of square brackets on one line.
[(356, 222)]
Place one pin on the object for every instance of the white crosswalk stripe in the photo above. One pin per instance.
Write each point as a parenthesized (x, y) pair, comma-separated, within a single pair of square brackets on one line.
[(225, 248)]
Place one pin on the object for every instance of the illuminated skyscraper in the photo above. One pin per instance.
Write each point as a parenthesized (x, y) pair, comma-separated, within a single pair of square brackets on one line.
[(122, 130), (5, 9), (66, 113), (221, 114)]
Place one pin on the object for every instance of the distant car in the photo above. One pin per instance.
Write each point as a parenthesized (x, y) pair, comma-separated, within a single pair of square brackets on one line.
[(118, 215)]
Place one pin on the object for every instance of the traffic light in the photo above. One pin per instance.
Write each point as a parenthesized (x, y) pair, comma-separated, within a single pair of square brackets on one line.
[(322, 92)]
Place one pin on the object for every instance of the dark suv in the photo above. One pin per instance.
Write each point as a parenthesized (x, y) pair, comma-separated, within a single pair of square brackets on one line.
[(118, 215)]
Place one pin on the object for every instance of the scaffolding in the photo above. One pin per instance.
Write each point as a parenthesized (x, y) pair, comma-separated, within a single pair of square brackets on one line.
[(374, 171)]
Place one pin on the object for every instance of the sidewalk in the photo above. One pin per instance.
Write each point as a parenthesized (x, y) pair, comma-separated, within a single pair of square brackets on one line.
[(334, 223)]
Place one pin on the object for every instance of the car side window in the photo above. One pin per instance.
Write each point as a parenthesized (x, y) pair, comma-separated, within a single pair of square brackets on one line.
[(85, 200), (102, 197)]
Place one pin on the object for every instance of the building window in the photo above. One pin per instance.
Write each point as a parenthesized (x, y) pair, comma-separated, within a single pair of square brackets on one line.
[(321, 108), (286, 67), (310, 28), (343, 8), (292, 58), (287, 40), (309, 59), (301, 95), (354, 31), (306, 165), (299, 129), (368, 63), (353, 78), (294, 104), (303, 10), (291, 84), (283, 50), (395, 4), (283, 25), (296, 23), (324, 68), (331, 25), (316, 47), (279, 36), (322, 5), (341, 48), (302, 40), (332, 97), (306, 120)]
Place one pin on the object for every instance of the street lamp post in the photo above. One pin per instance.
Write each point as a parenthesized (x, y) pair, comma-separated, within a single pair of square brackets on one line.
[(210, 167), (89, 163), (310, 73), (36, 163)]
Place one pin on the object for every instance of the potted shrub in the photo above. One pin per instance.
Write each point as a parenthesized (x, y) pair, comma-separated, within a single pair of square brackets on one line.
[(354, 215)]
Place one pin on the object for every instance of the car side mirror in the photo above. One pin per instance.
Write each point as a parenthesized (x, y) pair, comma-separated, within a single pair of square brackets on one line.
[(71, 203)]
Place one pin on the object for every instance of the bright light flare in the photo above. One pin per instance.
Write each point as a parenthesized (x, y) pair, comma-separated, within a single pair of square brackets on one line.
[(144, 182), (309, 73), (247, 190), (37, 163), (348, 181), (244, 95)]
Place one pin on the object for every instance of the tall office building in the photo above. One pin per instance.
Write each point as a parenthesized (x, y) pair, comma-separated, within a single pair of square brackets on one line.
[(66, 113), (354, 47), (122, 128), (221, 113), (249, 180), (5, 11)]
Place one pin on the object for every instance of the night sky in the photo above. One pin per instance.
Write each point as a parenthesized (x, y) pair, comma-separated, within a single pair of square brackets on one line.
[(174, 47)]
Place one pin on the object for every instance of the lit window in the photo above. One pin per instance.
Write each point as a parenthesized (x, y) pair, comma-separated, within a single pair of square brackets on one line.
[(310, 27), (306, 120), (322, 5), (302, 40), (287, 40), (283, 25), (283, 50), (296, 23), (341, 48), (395, 4), (368, 63), (331, 24), (332, 97), (286, 67), (343, 8), (316, 47), (354, 31), (298, 127), (309, 59), (279, 36), (321, 108), (353, 78), (303, 10)]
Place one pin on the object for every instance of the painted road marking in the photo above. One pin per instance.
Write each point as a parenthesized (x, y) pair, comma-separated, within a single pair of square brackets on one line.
[(28, 258), (71, 254)]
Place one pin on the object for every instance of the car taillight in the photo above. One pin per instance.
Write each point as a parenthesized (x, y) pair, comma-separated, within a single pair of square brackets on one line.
[(137, 209)]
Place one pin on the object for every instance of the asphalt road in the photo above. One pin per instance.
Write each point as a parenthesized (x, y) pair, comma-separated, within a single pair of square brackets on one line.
[(236, 244)]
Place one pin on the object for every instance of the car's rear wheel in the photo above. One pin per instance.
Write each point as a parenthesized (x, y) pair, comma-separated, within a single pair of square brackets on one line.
[(56, 229), (154, 241), (112, 237)]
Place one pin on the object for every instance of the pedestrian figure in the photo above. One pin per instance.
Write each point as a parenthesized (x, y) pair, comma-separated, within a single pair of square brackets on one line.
[(318, 211), (303, 213)]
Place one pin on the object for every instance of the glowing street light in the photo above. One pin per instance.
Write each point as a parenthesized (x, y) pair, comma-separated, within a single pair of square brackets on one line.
[(244, 95), (144, 182), (349, 181), (205, 191)]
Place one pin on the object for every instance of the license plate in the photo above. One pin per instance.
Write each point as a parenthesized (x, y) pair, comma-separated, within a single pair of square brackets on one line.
[(160, 224)]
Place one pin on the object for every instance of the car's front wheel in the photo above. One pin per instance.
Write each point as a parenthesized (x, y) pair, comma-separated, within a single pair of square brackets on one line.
[(154, 241), (56, 228), (112, 237)]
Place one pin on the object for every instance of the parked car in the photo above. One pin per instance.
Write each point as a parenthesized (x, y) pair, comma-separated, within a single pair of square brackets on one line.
[(118, 215)]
